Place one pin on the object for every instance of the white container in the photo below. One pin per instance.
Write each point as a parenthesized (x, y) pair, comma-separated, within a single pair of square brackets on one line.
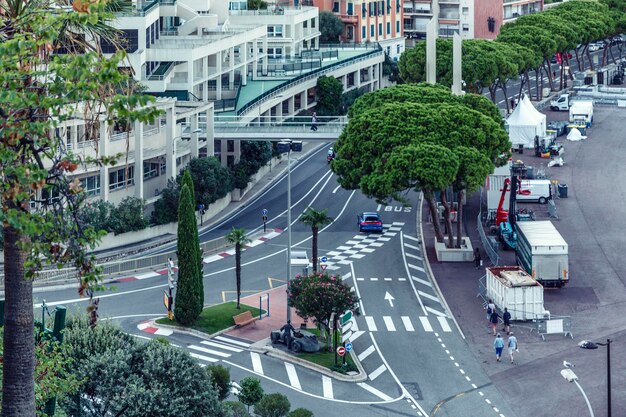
[(513, 288), (542, 252)]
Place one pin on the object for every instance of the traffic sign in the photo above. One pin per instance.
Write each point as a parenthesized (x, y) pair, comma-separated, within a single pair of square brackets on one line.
[(348, 346), (345, 317), (323, 266), (324, 259), (264, 212), (341, 350)]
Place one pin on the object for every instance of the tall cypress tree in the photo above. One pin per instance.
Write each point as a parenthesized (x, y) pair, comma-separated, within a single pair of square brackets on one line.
[(199, 284), (188, 305)]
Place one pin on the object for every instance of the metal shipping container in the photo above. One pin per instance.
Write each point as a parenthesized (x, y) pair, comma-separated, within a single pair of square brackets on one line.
[(513, 288), (542, 252)]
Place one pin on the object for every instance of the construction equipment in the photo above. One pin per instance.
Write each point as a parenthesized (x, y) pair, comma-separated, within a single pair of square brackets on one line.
[(507, 230)]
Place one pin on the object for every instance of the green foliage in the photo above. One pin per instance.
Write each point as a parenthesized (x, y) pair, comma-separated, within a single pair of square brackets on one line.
[(129, 216), (301, 412), (239, 239), (251, 391), (239, 175), (331, 27), (166, 208), (317, 295), (315, 219), (273, 405), (257, 5), (123, 376), (236, 408), (329, 91), (194, 244), (348, 98), (211, 181), (220, 378), (99, 214), (188, 305)]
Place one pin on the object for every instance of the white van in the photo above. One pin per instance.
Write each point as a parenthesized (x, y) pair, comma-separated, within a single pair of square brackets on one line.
[(531, 191)]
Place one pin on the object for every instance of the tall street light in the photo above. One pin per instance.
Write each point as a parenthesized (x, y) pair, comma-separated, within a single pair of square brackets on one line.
[(570, 376), (288, 146), (586, 344)]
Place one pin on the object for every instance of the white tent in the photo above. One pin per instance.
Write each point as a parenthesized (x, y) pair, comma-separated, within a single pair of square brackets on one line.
[(525, 123), (575, 135)]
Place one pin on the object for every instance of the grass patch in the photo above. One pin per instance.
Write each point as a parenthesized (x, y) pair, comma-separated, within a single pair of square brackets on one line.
[(327, 359), (215, 318)]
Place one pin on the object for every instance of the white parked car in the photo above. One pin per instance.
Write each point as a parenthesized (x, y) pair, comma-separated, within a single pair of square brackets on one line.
[(594, 47)]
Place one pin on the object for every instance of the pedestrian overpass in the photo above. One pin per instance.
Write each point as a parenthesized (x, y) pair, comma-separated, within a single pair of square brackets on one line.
[(278, 128)]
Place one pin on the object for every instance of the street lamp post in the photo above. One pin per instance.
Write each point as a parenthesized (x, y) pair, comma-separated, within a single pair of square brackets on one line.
[(586, 344), (570, 376)]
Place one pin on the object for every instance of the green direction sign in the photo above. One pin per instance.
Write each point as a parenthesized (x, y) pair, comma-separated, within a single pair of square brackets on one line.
[(346, 317)]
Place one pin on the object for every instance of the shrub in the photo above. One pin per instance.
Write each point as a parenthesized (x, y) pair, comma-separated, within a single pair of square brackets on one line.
[(97, 214), (273, 405), (251, 391), (236, 408), (129, 216), (211, 180), (301, 412), (220, 378), (166, 208)]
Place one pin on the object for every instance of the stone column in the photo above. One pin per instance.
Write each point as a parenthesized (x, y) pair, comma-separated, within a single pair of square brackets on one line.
[(457, 87), (264, 71), (103, 150), (194, 135), (139, 160), (218, 70), (170, 143), (210, 132)]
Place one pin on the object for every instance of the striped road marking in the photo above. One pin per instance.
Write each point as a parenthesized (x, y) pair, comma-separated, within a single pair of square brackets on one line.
[(407, 324), (410, 255), (293, 376), (366, 353), (232, 341), (377, 372), (210, 351), (413, 238), (435, 312), (419, 268), (421, 281), (371, 324), (221, 346), (426, 295), (327, 386), (202, 357), (374, 391), (444, 324), (256, 363), (426, 324), (389, 323), (406, 245)]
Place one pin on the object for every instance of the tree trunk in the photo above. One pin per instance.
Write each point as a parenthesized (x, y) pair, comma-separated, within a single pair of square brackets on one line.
[(493, 88), (446, 217), (238, 271), (579, 59), (588, 53), (432, 207), (550, 78), (537, 76), (459, 219), (506, 95), (18, 384), (314, 248)]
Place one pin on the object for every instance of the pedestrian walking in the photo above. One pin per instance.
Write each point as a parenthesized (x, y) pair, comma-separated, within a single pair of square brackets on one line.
[(491, 307), (512, 344), (493, 321), (498, 345), (506, 318), (314, 122), (478, 261)]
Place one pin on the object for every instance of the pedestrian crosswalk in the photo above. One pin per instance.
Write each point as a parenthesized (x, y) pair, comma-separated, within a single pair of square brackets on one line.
[(216, 349), (405, 323)]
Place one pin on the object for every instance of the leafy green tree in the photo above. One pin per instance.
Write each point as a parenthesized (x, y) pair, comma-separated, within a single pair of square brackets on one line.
[(331, 27), (220, 378), (255, 154), (251, 391), (301, 412), (315, 219), (236, 408), (272, 405), (329, 91), (38, 86), (166, 208), (239, 239), (239, 175), (129, 216), (99, 214), (348, 98), (257, 5), (211, 180), (194, 243), (187, 306), (318, 295)]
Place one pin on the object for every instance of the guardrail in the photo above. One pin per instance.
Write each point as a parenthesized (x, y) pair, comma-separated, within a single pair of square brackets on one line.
[(488, 244)]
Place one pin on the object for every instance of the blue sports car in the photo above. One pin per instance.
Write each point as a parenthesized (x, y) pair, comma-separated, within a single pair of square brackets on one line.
[(370, 222)]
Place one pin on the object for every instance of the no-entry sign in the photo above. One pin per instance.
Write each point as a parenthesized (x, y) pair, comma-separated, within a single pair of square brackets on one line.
[(341, 350)]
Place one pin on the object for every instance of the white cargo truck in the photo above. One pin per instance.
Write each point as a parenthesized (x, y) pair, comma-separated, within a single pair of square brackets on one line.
[(513, 288), (581, 112), (562, 103), (542, 252), (539, 191)]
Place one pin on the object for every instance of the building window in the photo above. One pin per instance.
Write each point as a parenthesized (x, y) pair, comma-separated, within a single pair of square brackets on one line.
[(275, 31), (381, 8), (238, 5), (118, 179), (388, 51), (388, 6), (230, 146), (350, 10), (305, 24), (397, 6), (371, 6), (465, 11), (129, 39), (398, 49), (91, 185), (277, 52), (336, 7), (150, 170), (398, 26), (465, 27), (388, 28), (363, 32), (363, 10), (380, 29), (372, 31), (491, 24)]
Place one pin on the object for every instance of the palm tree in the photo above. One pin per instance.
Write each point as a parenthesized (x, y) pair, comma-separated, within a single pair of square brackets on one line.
[(239, 238), (315, 219)]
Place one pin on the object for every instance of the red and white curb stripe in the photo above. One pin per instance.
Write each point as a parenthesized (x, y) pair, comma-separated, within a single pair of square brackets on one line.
[(148, 327), (147, 275), (255, 242)]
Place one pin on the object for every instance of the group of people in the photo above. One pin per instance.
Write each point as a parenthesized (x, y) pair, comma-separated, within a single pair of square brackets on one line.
[(499, 343)]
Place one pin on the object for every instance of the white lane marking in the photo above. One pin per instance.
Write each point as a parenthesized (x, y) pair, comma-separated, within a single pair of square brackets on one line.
[(212, 258), (413, 238), (371, 324), (327, 386), (352, 242), (256, 363), (336, 188), (406, 245), (342, 248), (209, 351), (406, 320), (366, 353), (374, 391), (373, 279), (202, 357), (233, 341), (419, 268), (147, 275), (293, 376), (164, 332), (368, 250), (356, 335), (401, 279), (421, 281), (426, 295), (487, 401), (426, 324), (436, 312), (347, 275), (360, 279), (410, 255), (480, 393), (389, 323), (81, 300), (462, 371), (377, 372), (376, 244), (468, 378), (387, 279), (221, 346), (444, 324), (474, 386), (357, 256)]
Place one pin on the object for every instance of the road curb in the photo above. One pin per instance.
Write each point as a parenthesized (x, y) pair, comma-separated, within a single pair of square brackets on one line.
[(190, 332)]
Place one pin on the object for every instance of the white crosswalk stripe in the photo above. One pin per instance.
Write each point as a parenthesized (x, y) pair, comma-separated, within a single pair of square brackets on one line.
[(257, 366), (389, 324), (221, 346), (232, 341), (327, 387), (371, 324), (429, 296), (377, 372), (426, 324), (202, 357), (444, 324), (374, 391), (366, 353), (406, 320), (294, 381), (214, 351), (210, 351)]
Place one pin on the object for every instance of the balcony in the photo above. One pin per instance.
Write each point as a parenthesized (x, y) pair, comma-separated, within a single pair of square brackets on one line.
[(408, 11), (347, 18)]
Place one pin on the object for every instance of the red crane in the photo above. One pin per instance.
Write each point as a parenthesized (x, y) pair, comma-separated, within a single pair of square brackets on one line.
[(502, 215)]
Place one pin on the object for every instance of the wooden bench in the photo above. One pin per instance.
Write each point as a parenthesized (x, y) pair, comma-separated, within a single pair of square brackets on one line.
[(244, 318)]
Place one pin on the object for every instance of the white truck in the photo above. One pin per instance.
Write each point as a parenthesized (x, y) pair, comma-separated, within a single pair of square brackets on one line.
[(581, 112), (542, 252), (562, 103), (539, 191), (513, 288)]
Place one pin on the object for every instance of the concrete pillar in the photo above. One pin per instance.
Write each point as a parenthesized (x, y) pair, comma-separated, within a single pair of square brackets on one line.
[(255, 57), (291, 105), (223, 150), (194, 135), (74, 136), (237, 152), (210, 132), (218, 81), (170, 143), (103, 150), (139, 160), (457, 87), (279, 112), (243, 49), (190, 74), (231, 71), (431, 49), (264, 71)]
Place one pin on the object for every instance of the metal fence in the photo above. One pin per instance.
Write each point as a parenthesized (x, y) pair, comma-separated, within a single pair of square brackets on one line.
[(554, 325), (489, 243)]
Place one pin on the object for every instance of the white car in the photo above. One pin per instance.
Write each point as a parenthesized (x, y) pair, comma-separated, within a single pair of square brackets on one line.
[(594, 47)]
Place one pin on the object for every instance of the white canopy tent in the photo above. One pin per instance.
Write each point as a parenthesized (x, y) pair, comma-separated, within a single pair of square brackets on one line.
[(525, 123)]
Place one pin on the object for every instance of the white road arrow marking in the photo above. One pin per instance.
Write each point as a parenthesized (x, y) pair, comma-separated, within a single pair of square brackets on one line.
[(389, 298)]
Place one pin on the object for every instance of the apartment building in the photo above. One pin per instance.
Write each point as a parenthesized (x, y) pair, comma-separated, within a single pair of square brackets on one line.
[(472, 19), (368, 21)]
